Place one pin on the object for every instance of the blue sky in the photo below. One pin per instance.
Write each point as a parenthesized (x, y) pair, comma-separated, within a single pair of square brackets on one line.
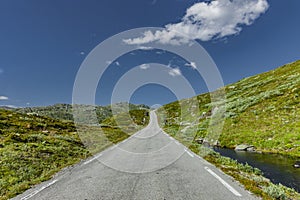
[(43, 43)]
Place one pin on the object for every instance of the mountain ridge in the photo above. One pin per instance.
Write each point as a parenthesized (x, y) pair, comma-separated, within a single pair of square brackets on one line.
[(64, 111)]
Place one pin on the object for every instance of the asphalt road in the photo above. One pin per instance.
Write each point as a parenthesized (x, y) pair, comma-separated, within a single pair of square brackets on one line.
[(148, 165)]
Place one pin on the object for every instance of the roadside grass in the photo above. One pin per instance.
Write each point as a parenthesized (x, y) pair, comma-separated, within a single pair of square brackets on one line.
[(33, 148), (263, 110), (252, 178), (109, 132)]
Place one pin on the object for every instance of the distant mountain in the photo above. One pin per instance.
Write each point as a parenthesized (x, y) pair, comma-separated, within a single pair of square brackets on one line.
[(64, 111), (262, 110), (7, 107)]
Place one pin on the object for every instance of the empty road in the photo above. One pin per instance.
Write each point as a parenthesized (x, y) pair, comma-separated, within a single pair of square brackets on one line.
[(148, 165)]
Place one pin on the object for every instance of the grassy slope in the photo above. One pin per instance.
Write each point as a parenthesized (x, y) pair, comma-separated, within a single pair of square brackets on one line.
[(263, 110), (33, 148), (64, 111)]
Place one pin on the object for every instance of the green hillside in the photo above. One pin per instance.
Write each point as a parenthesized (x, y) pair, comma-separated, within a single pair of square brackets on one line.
[(65, 112), (262, 110), (33, 147)]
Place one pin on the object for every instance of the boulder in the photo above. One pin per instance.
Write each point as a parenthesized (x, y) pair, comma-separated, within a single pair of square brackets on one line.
[(202, 141), (244, 147), (217, 143), (297, 164), (251, 149), (199, 140)]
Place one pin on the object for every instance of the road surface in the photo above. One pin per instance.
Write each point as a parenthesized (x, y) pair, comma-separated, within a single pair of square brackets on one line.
[(148, 165)]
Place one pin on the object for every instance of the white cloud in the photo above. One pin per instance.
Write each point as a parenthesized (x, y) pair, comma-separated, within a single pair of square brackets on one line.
[(191, 64), (145, 48), (206, 21), (144, 66), (1, 71), (108, 62), (3, 98), (175, 72), (159, 52)]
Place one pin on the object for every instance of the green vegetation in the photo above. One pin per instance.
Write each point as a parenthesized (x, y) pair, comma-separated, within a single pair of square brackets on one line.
[(33, 148), (111, 132), (251, 178), (65, 112), (262, 110)]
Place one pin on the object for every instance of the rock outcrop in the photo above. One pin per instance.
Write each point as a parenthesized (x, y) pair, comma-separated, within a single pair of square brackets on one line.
[(244, 147)]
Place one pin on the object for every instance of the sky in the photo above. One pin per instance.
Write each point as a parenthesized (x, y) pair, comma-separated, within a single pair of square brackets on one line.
[(44, 43)]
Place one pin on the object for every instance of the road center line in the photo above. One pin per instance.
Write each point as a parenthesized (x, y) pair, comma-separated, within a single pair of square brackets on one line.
[(231, 189), (39, 190), (189, 153)]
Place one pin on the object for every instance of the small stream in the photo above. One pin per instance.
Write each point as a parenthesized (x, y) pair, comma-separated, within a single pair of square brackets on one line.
[(278, 168)]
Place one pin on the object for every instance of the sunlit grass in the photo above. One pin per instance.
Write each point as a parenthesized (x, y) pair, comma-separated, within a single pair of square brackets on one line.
[(33, 148), (262, 110)]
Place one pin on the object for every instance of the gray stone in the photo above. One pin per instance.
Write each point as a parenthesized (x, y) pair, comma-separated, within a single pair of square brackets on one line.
[(297, 164), (244, 147)]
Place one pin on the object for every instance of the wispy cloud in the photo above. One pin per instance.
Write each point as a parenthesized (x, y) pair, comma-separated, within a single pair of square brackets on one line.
[(108, 62), (191, 64), (1, 71), (144, 66), (153, 2), (145, 48), (175, 72), (160, 52), (3, 98), (206, 21)]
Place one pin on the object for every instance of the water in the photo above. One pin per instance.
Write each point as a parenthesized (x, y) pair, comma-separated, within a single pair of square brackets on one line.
[(277, 168)]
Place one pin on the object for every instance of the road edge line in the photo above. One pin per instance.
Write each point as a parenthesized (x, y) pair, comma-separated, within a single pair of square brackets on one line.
[(39, 190), (187, 151), (229, 187)]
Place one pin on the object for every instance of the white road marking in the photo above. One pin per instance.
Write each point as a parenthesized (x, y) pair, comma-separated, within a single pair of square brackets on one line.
[(39, 190), (189, 153), (177, 142), (201, 159), (96, 157), (231, 189)]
